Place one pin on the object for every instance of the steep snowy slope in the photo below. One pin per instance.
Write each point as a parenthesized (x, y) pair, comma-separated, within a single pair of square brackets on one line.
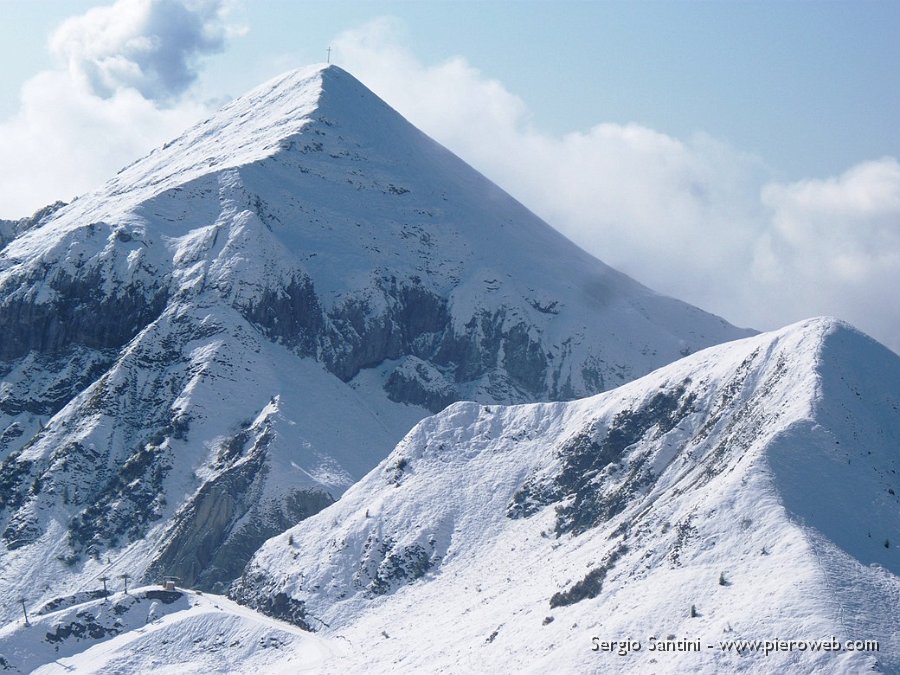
[(750, 491), (235, 328)]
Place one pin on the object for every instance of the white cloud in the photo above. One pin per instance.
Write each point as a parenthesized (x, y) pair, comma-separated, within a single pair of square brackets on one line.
[(147, 45), (833, 246), (121, 88), (693, 218), (65, 141)]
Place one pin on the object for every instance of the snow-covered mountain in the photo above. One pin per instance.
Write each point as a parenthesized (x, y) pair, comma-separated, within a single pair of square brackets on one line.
[(750, 491), (740, 500), (234, 329)]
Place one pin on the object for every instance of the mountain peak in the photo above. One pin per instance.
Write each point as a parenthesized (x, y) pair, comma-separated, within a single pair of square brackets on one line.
[(250, 128)]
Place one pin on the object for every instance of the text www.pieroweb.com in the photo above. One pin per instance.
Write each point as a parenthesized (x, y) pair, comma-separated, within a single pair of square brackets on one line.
[(766, 647)]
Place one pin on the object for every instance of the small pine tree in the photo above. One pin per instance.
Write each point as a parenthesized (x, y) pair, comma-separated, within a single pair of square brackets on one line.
[(722, 580), (887, 543), (694, 613), (290, 540)]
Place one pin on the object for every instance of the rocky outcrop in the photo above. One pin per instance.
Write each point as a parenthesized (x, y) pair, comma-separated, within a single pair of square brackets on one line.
[(419, 382), (410, 320), (40, 384), (219, 529), (399, 319), (587, 489), (290, 314), (76, 315)]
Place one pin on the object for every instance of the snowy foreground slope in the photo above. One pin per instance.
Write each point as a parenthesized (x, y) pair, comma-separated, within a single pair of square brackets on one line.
[(150, 630), (754, 485), (747, 492), (235, 328)]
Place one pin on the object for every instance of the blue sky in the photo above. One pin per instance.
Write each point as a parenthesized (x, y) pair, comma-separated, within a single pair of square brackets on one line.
[(740, 156), (810, 87)]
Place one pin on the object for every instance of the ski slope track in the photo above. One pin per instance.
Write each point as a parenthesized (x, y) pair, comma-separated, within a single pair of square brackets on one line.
[(234, 329), (750, 491)]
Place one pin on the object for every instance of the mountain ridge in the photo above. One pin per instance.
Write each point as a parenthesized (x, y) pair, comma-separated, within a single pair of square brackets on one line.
[(719, 497)]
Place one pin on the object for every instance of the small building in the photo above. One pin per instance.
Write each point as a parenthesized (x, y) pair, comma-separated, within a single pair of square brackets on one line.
[(168, 583)]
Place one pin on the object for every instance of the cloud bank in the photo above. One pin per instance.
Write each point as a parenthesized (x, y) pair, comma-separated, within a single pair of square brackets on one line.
[(150, 46), (693, 218), (120, 88)]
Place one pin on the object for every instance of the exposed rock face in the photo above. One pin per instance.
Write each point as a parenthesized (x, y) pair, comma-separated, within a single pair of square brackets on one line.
[(76, 316), (420, 382), (399, 320), (232, 330), (40, 384), (96, 289), (290, 314), (216, 532)]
